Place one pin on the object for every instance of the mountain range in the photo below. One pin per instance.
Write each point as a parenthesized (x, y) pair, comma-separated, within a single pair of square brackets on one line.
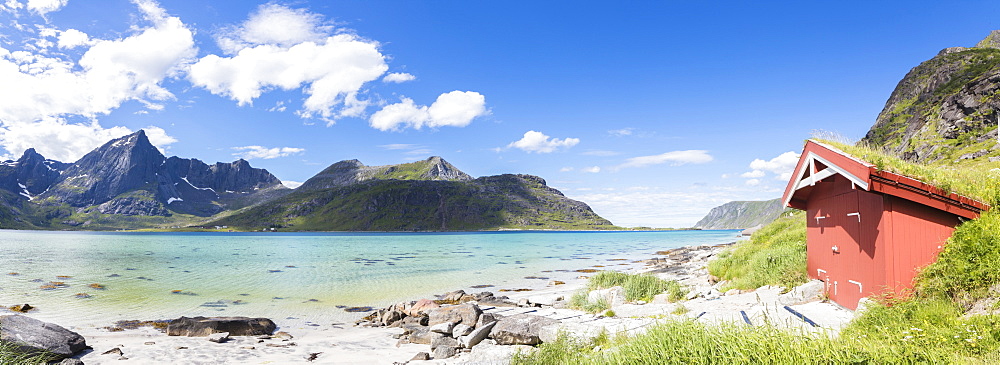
[(127, 183)]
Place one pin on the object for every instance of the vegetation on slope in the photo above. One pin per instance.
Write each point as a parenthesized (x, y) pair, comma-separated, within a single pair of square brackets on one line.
[(938, 323), (494, 202), (774, 255), (944, 109)]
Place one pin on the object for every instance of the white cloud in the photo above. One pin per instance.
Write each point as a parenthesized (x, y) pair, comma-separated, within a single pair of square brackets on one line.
[(674, 158), (252, 152), (11, 5), (621, 132), (291, 184), (274, 24), (159, 138), (50, 90), (753, 182), (45, 6), (455, 109), (566, 169), (398, 77), (538, 142), (72, 38), (57, 139), (780, 166), (108, 74), (593, 169), (287, 49)]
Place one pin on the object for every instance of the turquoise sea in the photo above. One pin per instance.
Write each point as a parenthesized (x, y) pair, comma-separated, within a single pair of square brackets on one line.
[(309, 276)]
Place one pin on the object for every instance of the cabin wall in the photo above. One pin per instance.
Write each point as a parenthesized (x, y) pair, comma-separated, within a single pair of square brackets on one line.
[(916, 236)]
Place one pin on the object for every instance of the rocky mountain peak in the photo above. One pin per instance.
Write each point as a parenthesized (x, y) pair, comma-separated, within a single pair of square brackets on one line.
[(946, 108), (991, 41), (30, 155), (30, 175), (440, 169)]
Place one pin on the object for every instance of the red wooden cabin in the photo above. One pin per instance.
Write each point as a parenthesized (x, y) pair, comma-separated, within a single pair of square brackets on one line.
[(869, 231)]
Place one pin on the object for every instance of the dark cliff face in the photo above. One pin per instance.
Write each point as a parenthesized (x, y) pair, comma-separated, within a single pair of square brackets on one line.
[(129, 176), (121, 165), (30, 175), (946, 108)]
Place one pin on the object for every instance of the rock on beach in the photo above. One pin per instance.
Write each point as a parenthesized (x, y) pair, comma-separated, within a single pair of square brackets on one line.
[(33, 336)]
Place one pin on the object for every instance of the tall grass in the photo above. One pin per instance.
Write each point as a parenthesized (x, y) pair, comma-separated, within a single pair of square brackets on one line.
[(8, 356), (774, 255), (637, 286), (969, 265)]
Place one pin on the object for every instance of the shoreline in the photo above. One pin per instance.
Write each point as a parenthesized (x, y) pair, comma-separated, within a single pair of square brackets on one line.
[(343, 342)]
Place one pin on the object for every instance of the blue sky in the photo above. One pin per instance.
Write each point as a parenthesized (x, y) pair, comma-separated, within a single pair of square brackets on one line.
[(651, 112)]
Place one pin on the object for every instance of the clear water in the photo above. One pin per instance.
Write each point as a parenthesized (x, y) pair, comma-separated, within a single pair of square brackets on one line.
[(300, 275)]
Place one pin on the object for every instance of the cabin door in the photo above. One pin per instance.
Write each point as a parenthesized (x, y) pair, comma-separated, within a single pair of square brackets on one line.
[(834, 250)]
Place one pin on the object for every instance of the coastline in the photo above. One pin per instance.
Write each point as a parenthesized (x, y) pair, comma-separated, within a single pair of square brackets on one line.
[(343, 343)]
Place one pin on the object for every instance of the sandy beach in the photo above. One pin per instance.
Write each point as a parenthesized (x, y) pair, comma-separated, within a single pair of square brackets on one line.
[(340, 342)]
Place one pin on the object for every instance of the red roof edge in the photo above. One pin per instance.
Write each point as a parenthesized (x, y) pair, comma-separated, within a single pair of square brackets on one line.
[(883, 181), (918, 191)]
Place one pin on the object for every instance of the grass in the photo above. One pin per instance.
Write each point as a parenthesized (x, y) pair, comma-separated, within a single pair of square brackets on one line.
[(774, 255), (637, 286), (883, 339), (8, 356)]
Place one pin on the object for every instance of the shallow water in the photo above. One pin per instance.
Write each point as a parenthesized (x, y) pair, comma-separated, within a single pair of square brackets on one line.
[(308, 276)]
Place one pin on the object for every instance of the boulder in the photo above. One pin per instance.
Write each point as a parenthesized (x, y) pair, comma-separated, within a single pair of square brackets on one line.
[(438, 340), (521, 329), (421, 307), (453, 297), (614, 296), (420, 356), (501, 301), (70, 361), (31, 336), (419, 334), (218, 337), (204, 326), (444, 347), (443, 328), (462, 313), (409, 320), (478, 335), (461, 329), (390, 316), (487, 318)]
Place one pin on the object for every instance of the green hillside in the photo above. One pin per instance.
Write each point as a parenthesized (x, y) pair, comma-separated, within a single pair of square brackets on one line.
[(494, 202)]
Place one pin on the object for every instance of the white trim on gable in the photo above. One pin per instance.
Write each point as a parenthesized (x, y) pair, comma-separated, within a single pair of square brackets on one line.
[(830, 170)]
